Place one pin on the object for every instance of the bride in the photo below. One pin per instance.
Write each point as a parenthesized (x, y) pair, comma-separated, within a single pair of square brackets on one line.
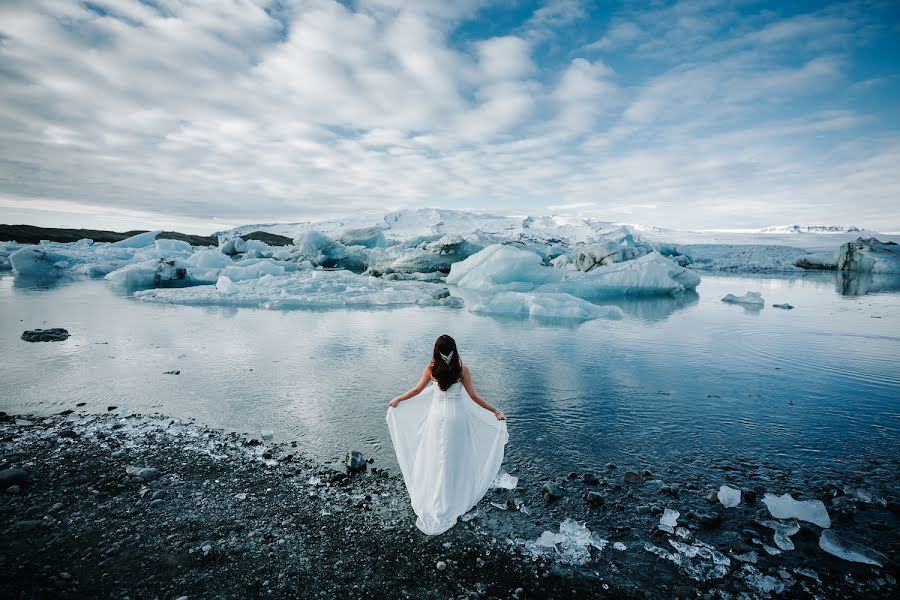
[(448, 448)]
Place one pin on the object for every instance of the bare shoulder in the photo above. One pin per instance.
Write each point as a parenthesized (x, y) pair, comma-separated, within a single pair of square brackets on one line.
[(465, 371)]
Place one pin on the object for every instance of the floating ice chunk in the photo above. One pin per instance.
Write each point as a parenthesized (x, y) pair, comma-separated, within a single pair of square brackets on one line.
[(148, 274), (869, 256), (619, 546), (500, 267), (557, 306), (266, 434), (505, 481), (234, 246), (226, 286), (209, 259), (750, 299), (783, 532), (32, 261), (729, 497), (311, 289), (436, 255), (834, 544), (141, 240), (785, 507)]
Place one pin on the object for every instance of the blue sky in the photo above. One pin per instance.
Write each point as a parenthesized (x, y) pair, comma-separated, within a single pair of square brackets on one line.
[(691, 114)]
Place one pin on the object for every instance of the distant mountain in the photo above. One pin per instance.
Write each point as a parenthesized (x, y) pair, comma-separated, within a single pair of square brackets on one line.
[(29, 234), (808, 229)]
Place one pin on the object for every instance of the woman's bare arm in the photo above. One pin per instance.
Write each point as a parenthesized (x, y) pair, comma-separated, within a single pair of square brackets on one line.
[(423, 383), (470, 388)]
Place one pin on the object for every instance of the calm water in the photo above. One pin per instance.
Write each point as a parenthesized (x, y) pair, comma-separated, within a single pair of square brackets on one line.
[(692, 377)]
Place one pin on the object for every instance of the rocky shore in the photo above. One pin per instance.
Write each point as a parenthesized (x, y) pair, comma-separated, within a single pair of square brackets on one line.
[(113, 506)]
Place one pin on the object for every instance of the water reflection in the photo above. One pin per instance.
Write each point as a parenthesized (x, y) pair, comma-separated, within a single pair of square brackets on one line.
[(854, 283)]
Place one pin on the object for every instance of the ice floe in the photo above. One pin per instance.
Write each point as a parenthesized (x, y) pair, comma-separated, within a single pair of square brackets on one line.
[(785, 507), (310, 289), (550, 305), (750, 299)]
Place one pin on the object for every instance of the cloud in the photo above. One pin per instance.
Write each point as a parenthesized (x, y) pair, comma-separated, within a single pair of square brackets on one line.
[(257, 111)]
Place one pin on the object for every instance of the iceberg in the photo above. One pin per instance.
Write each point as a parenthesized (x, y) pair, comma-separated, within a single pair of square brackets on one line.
[(557, 306), (310, 289), (233, 246), (322, 251), (616, 246), (834, 544), (785, 507), (729, 497), (148, 274), (750, 299), (438, 255), (869, 255), (141, 240), (367, 237), (209, 259), (226, 286), (500, 268)]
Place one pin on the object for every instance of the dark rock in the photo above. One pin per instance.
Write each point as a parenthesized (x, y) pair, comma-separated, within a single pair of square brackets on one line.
[(258, 511), (14, 490), (710, 521), (13, 476), (28, 524), (67, 433), (590, 478), (741, 547), (81, 404), (172, 372), (808, 532), (647, 474), (57, 334), (56, 508), (655, 510), (145, 473), (843, 506), (355, 461), (644, 509), (596, 499), (66, 412), (748, 496), (159, 494), (157, 503), (632, 477), (110, 408), (551, 492), (610, 465), (713, 498), (34, 511)]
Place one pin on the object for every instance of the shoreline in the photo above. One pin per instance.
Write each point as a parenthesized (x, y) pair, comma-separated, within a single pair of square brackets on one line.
[(222, 515)]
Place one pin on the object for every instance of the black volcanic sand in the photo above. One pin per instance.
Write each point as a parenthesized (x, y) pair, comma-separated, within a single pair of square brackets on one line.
[(226, 516)]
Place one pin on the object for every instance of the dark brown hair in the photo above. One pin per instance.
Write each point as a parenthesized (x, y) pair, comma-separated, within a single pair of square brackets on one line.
[(446, 373)]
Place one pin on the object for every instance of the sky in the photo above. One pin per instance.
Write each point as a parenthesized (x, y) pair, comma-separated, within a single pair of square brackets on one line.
[(694, 114)]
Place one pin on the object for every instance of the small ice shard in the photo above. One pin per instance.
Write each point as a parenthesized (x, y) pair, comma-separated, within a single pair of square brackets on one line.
[(764, 584), (620, 546), (241, 496), (469, 516), (266, 434), (729, 497), (571, 545), (785, 507), (505, 481), (669, 520), (806, 572), (683, 533), (750, 299), (785, 306), (498, 505), (749, 557), (783, 530), (700, 562), (834, 544), (314, 481), (771, 550), (226, 286)]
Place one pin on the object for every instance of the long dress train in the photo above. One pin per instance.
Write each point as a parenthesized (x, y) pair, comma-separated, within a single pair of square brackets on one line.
[(449, 450)]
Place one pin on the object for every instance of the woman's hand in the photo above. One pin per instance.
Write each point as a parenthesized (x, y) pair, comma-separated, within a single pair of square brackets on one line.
[(394, 403), (500, 416)]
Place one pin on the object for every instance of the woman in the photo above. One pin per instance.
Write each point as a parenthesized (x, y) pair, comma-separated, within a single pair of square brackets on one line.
[(449, 448)]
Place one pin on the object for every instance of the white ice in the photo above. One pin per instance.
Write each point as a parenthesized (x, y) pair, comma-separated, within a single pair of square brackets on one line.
[(500, 268), (226, 286), (750, 299), (729, 497), (669, 520), (505, 481), (783, 532), (834, 544), (558, 306), (869, 256), (785, 507), (572, 545), (310, 289)]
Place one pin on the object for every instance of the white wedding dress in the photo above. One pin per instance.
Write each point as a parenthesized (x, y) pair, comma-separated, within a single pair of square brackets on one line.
[(449, 449)]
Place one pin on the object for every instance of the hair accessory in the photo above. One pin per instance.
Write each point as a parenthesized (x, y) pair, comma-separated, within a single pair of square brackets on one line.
[(446, 357)]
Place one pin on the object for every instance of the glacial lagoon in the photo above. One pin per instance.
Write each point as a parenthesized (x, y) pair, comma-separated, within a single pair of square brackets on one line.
[(677, 381)]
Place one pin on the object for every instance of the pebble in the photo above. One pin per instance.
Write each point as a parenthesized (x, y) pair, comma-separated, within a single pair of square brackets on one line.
[(118, 454), (109, 408), (590, 478), (156, 503), (258, 511), (596, 499), (632, 477), (655, 510), (67, 433), (644, 509), (14, 490), (57, 334), (33, 512), (13, 476), (610, 465), (441, 566), (159, 494), (551, 492), (56, 508), (710, 521)]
